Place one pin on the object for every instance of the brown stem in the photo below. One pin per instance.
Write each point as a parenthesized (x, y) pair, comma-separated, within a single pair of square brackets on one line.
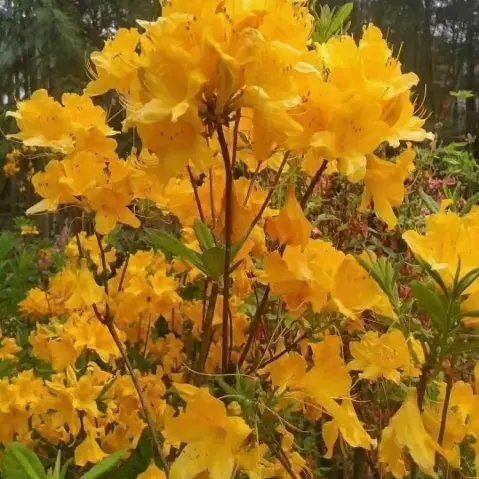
[(251, 184), (228, 243), (421, 387), (283, 459), (282, 353), (259, 311), (146, 410), (123, 273), (197, 196), (235, 139), (266, 202), (80, 249), (312, 185), (253, 330), (445, 409), (107, 320), (212, 201), (208, 328), (103, 262)]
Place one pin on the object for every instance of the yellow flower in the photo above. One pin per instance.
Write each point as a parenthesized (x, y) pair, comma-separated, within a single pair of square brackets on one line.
[(291, 226), (391, 454), (43, 122), (303, 277), (347, 423), (49, 185), (404, 125), (322, 276), (449, 239), (152, 472), (46, 123), (84, 115), (29, 230), (356, 291), (89, 451), (461, 403), (87, 292), (116, 66), (406, 430), (380, 356), (385, 185), (213, 439), (8, 347)]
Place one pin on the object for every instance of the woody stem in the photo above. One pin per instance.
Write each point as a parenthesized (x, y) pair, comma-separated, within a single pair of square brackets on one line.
[(261, 307), (228, 243), (445, 409), (107, 320), (146, 410)]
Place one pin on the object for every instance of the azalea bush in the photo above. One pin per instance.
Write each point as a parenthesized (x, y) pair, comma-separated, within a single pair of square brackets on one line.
[(202, 323)]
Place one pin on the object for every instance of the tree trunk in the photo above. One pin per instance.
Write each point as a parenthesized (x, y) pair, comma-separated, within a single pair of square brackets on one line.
[(471, 113), (428, 63)]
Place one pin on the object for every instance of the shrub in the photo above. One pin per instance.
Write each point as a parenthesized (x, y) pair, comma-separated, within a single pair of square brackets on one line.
[(200, 323)]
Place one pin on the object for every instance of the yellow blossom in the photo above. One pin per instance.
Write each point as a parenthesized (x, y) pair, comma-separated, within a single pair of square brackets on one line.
[(380, 356), (385, 185), (290, 227), (212, 438), (406, 430)]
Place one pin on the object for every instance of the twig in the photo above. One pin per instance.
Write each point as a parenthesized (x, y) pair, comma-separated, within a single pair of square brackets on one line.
[(208, 328), (228, 242), (79, 246), (197, 196), (107, 320), (235, 138), (267, 200), (123, 273), (146, 410), (212, 201), (312, 185), (283, 459), (285, 351), (251, 184), (445, 409), (103, 262), (254, 327)]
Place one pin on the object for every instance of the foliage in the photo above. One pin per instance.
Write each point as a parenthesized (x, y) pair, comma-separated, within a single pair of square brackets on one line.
[(24, 261), (245, 292)]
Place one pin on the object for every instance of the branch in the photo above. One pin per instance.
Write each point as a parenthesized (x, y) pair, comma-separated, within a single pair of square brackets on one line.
[(197, 196), (208, 327), (144, 406), (228, 242), (312, 185), (261, 211), (445, 409)]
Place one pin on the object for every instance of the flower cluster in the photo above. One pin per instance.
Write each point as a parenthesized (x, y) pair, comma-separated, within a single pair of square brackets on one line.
[(229, 337)]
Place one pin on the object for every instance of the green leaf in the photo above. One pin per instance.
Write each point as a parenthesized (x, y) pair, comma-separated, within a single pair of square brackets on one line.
[(330, 22), (7, 244), (138, 461), (462, 285), (7, 368), (340, 18), (169, 244), (55, 473), (429, 201), (105, 466), (464, 94), (65, 467), (469, 204), (20, 462), (204, 235), (431, 303), (214, 261)]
